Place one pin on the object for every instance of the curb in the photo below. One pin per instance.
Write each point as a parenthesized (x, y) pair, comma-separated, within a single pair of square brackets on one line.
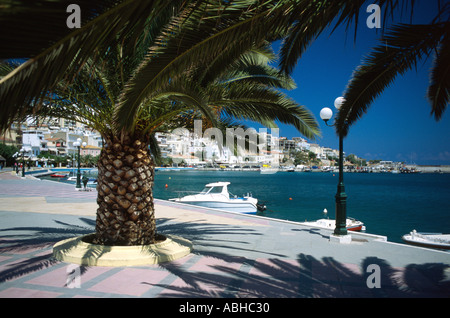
[(77, 251)]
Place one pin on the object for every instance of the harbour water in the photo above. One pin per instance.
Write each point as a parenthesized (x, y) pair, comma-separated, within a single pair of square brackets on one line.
[(388, 204)]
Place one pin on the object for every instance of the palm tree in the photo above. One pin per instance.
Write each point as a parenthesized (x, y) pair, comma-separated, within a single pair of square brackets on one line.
[(159, 85), (178, 102)]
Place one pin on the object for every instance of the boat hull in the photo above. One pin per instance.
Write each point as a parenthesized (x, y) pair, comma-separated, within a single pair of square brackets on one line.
[(352, 225), (356, 228), (241, 207), (423, 241)]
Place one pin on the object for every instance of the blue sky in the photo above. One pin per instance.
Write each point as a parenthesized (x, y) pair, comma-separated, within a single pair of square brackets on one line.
[(398, 125)]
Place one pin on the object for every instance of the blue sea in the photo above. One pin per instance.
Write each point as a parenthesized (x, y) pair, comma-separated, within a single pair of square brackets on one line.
[(388, 204)]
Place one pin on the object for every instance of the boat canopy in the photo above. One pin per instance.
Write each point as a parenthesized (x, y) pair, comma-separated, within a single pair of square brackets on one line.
[(216, 187), (218, 184)]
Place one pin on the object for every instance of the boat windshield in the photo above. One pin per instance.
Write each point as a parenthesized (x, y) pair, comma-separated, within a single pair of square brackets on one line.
[(211, 190)]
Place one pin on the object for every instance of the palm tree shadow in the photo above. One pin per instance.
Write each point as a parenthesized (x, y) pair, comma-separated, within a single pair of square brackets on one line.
[(226, 274), (41, 237), (36, 241), (305, 277), (222, 265), (208, 237)]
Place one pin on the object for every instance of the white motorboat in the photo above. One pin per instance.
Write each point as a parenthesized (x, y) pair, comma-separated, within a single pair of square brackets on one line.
[(351, 224), (434, 240), (268, 170), (215, 195)]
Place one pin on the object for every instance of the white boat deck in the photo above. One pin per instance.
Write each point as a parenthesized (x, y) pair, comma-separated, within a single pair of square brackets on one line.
[(437, 240)]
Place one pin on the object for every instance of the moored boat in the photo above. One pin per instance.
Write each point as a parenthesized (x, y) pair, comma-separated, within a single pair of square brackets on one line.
[(216, 196), (351, 224), (433, 240), (268, 169), (58, 175)]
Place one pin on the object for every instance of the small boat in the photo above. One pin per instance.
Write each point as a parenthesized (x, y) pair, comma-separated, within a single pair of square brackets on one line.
[(433, 240), (215, 195), (268, 169), (351, 224), (58, 175)]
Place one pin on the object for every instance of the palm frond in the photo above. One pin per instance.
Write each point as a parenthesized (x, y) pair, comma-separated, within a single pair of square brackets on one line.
[(155, 149), (266, 106), (254, 66), (439, 89), (191, 96), (67, 51), (311, 18), (398, 51), (200, 60), (88, 98), (245, 89), (31, 26), (196, 35)]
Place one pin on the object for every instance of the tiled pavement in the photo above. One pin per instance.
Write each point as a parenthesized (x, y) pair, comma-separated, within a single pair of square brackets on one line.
[(234, 255)]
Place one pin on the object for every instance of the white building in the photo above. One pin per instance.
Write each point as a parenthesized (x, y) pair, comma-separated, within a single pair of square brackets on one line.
[(328, 152), (33, 142), (187, 147), (315, 148)]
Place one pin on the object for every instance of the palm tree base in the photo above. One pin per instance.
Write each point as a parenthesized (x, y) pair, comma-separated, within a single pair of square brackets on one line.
[(80, 251)]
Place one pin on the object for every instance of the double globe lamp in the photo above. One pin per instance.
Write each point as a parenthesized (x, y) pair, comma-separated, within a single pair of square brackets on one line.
[(341, 197)]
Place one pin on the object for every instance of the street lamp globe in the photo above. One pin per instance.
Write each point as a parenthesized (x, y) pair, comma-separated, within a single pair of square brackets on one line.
[(338, 102), (326, 114)]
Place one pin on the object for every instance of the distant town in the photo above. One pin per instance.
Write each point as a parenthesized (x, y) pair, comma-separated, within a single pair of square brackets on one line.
[(50, 142)]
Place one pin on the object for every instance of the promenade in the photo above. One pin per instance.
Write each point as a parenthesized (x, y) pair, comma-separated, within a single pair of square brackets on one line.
[(233, 255)]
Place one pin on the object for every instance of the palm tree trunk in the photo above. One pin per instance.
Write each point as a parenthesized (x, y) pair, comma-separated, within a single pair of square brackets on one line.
[(125, 214)]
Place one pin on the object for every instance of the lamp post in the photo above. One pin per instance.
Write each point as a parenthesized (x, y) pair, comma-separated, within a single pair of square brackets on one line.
[(22, 151), (78, 144), (341, 197)]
